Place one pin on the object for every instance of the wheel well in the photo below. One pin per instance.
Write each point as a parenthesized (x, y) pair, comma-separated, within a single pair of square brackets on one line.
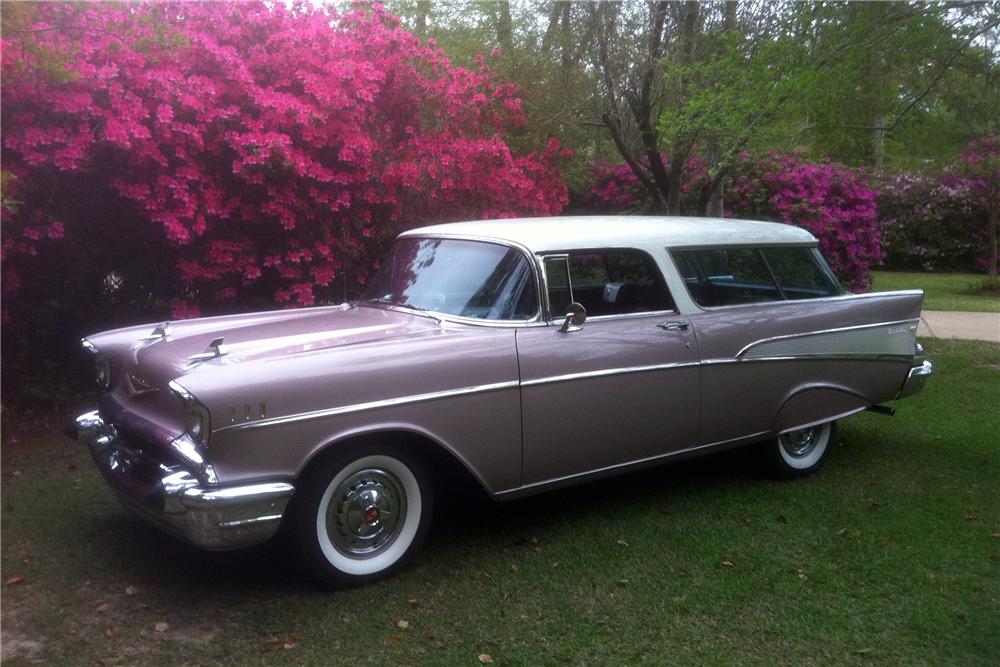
[(447, 472)]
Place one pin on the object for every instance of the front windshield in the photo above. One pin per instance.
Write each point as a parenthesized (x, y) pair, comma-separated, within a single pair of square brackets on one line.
[(467, 278)]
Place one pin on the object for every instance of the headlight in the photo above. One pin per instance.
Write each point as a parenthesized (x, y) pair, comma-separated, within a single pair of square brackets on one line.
[(102, 365), (102, 372), (197, 423)]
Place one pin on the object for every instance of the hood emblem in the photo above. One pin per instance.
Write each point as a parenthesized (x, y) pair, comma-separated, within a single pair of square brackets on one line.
[(137, 386), (159, 333), (214, 349)]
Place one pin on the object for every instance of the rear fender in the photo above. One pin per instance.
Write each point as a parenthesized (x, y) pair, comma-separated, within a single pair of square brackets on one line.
[(816, 404)]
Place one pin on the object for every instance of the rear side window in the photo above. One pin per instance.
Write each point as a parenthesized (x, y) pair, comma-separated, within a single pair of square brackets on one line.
[(798, 273), (733, 276), (606, 282)]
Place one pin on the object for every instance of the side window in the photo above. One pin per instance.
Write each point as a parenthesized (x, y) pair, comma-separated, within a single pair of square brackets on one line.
[(798, 273), (732, 276), (607, 282)]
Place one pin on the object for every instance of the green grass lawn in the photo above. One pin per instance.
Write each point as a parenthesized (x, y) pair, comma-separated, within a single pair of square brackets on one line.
[(942, 291), (889, 555)]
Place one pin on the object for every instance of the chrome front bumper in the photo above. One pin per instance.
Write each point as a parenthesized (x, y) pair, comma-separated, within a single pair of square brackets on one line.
[(208, 516), (915, 379)]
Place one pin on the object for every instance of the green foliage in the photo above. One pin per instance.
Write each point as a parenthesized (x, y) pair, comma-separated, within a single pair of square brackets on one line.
[(967, 292)]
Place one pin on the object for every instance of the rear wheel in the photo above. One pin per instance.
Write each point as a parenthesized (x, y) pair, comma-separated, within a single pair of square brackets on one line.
[(363, 515), (798, 453)]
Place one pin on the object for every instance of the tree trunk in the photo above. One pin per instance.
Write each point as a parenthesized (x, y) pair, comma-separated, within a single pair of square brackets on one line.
[(878, 140), (566, 41), (423, 9), (505, 27), (716, 206), (729, 16)]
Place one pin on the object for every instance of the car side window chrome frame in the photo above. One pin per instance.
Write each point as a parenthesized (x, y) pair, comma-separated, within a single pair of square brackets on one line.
[(563, 257), (537, 319), (676, 257)]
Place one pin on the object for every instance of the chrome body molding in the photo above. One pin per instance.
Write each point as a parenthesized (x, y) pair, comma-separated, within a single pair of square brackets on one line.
[(884, 338), (176, 501), (649, 461), (568, 377), (811, 357), (820, 299), (370, 405), (607, 372)]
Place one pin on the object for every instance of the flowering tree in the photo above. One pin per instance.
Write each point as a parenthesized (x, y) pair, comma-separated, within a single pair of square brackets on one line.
[(265, 150), (832, 202)]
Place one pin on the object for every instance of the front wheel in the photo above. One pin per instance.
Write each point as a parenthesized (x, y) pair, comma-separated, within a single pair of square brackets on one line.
[(363, 514), (797, 453)]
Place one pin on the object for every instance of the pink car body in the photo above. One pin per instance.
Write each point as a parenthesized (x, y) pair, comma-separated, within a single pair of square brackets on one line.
[(208, 427)]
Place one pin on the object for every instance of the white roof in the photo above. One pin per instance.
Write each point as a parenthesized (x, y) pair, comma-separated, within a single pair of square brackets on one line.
[(616, 231)]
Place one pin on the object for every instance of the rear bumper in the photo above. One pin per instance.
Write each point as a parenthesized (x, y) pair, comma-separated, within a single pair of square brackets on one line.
[(206, 515), (915, 379)]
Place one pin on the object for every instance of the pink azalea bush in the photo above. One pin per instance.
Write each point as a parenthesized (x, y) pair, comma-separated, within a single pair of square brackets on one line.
[(833, 202), (266, 152)]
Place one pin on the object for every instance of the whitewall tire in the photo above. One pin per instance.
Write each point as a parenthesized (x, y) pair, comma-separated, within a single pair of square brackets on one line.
[(363, 514), (798, 453)]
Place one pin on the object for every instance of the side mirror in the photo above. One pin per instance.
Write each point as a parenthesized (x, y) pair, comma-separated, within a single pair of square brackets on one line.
[(576, 315)]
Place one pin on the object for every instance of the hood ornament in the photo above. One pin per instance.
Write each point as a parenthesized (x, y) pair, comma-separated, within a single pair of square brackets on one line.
[(159, 333), (214, 349)]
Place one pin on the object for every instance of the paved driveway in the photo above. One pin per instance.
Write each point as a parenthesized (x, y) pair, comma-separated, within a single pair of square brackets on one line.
[(967, 326)]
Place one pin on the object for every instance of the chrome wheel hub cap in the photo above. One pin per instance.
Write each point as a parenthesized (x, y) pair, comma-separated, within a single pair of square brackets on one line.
[(365, 513), (800, 443)]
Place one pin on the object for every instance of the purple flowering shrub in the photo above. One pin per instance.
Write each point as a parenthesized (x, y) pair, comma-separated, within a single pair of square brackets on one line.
[(833, 202), (931, 222), (940, 221)]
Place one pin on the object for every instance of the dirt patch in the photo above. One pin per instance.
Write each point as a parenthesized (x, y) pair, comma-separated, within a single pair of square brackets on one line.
[(15, 646)]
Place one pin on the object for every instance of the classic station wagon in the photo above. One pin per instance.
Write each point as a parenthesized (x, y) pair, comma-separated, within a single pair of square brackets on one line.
[(530, 354)]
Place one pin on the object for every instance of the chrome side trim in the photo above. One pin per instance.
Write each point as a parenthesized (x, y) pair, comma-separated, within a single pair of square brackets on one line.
[(842, 415), (910, 324), (632, 316), (821, 299), (531, 488), (811, 357), (371, 405), (606, 372)]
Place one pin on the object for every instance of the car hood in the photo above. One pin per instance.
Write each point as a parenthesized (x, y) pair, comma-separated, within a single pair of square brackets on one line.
[(263, 336)]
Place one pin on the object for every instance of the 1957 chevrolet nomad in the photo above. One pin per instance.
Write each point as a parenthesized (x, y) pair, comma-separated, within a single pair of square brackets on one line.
[(530, 353)]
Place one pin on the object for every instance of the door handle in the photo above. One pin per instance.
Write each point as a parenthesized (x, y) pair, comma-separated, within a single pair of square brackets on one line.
[(673, 326)]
